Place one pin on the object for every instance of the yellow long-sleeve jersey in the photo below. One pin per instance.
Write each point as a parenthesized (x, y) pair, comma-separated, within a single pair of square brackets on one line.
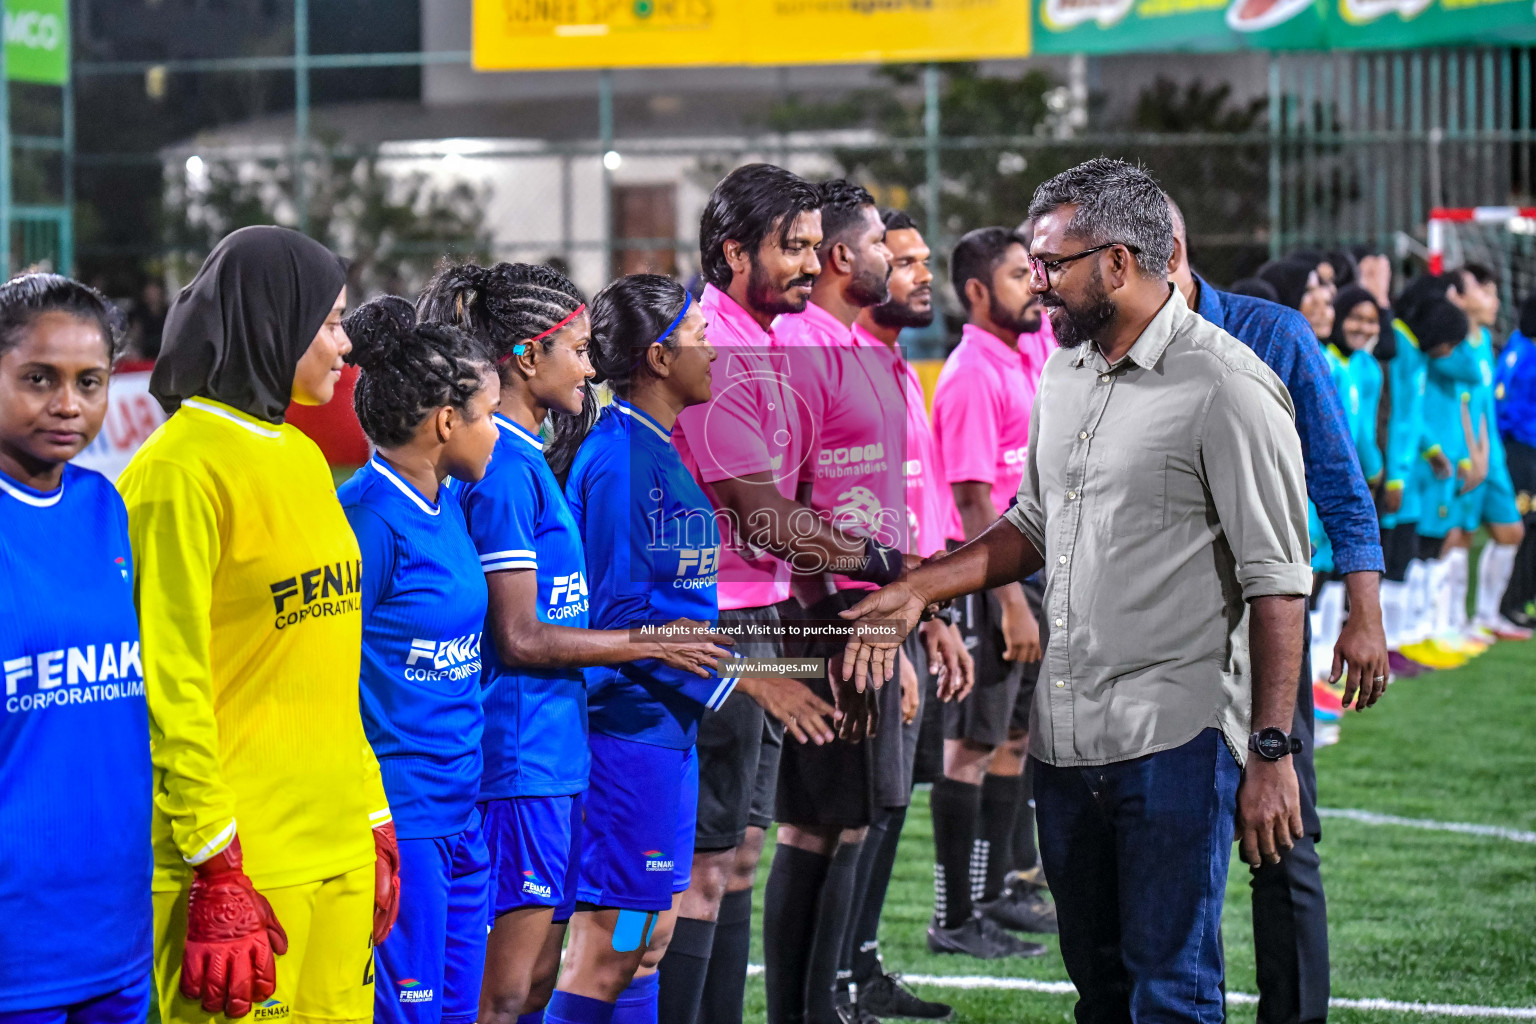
[(247, 584)]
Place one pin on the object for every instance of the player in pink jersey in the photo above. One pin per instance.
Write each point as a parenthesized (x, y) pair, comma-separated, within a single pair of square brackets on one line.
[(880, 993), (757, 240), (853, 419), (981, 414)]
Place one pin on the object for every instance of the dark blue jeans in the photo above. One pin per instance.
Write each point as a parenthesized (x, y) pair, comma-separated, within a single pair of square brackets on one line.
[(1136, 853)]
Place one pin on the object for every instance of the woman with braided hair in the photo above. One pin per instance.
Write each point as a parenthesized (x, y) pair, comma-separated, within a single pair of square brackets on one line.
[(424, 397), (652, 550), (535, 327)]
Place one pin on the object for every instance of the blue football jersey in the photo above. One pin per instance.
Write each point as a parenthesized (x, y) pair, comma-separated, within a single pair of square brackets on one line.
[(423, 611), (535, 719), (75, 777), (1515, 390), (653, 551)]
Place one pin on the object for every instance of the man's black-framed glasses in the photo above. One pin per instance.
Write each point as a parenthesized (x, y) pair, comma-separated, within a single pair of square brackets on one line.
[(1044, 269)]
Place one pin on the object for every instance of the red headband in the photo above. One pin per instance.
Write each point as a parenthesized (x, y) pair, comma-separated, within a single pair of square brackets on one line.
[(517, 349)]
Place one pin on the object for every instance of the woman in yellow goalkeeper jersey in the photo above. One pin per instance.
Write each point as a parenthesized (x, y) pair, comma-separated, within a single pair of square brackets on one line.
[(275, 865)]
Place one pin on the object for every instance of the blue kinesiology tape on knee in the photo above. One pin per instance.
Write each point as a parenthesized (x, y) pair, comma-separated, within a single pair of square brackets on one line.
[(632, 930)]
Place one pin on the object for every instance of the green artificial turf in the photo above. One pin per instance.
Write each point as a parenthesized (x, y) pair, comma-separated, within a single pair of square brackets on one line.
[(1414, 915)]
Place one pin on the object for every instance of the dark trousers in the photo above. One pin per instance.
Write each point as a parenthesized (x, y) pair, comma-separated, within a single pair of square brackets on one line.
[(1137, 855), (1290, 915), (1522, 581)]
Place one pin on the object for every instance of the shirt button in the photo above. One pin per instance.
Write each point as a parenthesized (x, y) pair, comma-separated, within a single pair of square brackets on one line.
[(1062, 559), (1060, 683), (1071, 495), (1104, 378), (1083, 436), (1060, 623)]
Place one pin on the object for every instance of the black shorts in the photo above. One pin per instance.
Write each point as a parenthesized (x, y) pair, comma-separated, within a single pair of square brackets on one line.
[(1399, 546), (738, 750), (835, 784), (928, 763), (985, 716), (1034, 593), (896, 741), (1522, 473)]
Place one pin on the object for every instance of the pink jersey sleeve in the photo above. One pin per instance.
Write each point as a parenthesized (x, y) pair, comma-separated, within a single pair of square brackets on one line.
[(726, 434), (965, 426)]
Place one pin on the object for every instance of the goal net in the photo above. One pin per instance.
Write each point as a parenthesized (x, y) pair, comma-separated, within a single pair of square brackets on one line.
[(1501, 238)]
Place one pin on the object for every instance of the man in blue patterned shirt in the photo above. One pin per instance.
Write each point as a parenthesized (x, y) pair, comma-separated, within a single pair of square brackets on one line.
[(1290, 921)]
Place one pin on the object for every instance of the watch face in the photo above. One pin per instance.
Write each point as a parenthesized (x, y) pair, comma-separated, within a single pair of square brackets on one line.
[(1273, 744)]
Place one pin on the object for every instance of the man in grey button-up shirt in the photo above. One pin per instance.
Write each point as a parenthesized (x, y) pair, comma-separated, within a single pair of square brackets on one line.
[(1165, 496)]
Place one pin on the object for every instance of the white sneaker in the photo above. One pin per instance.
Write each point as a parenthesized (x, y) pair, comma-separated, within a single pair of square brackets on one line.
[(1478, 633), (1502, 629)]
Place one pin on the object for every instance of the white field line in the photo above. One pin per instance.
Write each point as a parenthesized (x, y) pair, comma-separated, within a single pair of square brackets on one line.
[(1064, 988), (1372, 818), (1514, 835)]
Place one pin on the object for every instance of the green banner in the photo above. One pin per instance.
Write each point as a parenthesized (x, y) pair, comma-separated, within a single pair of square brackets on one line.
[(1143, 26), (1393, 24), (37, 41)]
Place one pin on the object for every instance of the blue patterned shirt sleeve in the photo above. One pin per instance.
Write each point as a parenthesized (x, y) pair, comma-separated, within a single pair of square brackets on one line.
[(1282, 338)]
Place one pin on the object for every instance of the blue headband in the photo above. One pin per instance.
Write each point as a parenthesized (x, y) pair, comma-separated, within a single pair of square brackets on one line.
[(687, 301)]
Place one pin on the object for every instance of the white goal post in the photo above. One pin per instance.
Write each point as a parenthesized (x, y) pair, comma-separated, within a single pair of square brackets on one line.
[(1501, 238)]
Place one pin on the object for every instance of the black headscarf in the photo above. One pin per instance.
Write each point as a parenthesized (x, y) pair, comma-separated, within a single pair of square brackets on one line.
[(1288, 277), (1254, 287), (237, 332), (1344, 302)]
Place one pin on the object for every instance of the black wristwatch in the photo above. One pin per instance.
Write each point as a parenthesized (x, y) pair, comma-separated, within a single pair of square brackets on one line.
[(1273, 744)]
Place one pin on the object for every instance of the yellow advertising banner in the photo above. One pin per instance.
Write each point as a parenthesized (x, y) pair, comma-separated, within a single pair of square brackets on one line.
[(519, 35)]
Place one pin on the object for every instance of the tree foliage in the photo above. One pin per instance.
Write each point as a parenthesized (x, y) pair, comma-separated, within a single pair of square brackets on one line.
[(394, 227)]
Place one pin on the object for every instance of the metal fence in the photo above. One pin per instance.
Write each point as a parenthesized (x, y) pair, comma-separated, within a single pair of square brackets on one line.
[(1350, 148)]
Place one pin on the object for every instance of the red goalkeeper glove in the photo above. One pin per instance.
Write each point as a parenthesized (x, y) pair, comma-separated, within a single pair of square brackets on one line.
[(386, 881), (232, 934)]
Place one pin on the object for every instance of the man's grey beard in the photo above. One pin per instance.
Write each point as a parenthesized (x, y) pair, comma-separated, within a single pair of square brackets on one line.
[(1074, 329)]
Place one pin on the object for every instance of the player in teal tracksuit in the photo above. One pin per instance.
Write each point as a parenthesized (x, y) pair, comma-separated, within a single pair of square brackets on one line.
[(1492, 502), (1406, 376), (1449, 402), (1357, 377)]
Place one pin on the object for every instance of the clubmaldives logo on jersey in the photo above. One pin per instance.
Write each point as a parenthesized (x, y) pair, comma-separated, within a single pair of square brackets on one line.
[(445, 659), (320, 592), (73, 675), (654, 861), (1016, 456), (568, 596), (852, 461)]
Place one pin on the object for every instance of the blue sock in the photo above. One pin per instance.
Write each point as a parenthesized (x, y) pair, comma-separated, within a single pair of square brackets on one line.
[(536, 1017), (638, 1003), (569, 1008)]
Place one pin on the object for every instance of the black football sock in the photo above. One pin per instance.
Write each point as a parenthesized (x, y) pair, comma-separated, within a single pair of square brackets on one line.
[(1026, 854), (1000, 799), (684, 968), (725, 984), (956, 806), (833, 915), (1522, 580), (790, 901), (862, 952)]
